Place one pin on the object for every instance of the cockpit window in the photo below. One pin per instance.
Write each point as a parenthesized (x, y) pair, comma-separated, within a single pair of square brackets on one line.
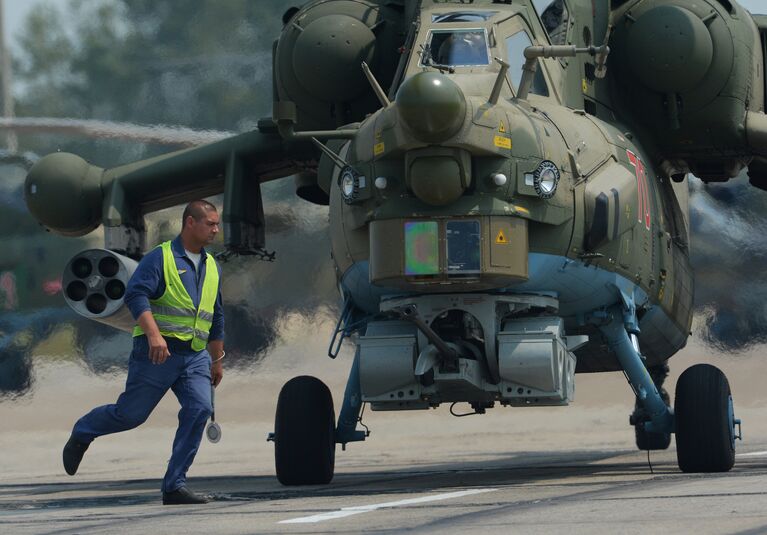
[(456, 48), (555, 17), (515, 48), (462, 16)]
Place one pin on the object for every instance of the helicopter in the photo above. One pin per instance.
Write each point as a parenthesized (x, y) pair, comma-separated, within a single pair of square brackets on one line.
[(508, 203)]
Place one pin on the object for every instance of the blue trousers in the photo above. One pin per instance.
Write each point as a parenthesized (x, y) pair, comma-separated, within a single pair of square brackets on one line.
[(188, 375)]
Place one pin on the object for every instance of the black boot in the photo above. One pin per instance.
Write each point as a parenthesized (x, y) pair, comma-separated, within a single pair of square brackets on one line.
[(182, 496), (73, 454)]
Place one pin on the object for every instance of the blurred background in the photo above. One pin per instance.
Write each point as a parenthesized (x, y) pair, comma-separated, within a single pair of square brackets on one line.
[(137, 66), (162, 68)]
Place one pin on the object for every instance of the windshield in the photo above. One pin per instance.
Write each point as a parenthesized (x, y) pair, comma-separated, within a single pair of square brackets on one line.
[(515, 48), (462, 16), (456, 48), (555, 18)]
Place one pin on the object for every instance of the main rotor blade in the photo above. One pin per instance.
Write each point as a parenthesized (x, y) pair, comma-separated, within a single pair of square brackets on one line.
[(157, 134)]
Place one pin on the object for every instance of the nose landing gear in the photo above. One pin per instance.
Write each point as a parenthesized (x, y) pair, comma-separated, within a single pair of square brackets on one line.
[(304, 433)]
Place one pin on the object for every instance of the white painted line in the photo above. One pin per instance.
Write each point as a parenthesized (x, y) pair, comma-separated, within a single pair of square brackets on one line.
[(752, 454), (350, 511)]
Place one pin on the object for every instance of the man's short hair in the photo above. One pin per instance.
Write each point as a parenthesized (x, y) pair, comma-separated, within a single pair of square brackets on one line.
[(197, 209)]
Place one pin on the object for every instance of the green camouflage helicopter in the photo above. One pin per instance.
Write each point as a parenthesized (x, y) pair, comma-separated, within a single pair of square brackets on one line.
[(505, 210)]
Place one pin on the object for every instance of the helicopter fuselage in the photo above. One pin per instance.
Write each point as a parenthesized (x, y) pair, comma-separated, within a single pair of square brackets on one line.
[(612, 224)]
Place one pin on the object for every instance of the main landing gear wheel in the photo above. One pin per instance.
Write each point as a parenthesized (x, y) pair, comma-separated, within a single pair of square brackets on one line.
[(304, 433), (705, 435)]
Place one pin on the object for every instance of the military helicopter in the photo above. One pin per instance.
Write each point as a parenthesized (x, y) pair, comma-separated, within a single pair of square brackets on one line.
[(505, 209)]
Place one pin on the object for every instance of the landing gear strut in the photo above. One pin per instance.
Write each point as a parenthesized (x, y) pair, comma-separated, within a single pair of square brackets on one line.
[(645, 440), (703, 416)]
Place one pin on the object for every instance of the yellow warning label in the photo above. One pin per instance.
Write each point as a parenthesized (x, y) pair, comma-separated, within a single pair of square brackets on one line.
[(502, 142), (501, 238), (521, 210), (585, 86), (379, 148), (501, 127)]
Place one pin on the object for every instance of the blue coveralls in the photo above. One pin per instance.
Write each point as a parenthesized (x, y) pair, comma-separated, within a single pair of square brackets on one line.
[(186, 372)]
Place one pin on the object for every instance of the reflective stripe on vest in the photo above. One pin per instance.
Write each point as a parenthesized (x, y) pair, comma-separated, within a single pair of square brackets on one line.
[(174, 311)]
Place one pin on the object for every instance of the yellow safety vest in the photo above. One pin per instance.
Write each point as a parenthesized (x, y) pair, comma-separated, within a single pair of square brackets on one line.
[(174, 311)]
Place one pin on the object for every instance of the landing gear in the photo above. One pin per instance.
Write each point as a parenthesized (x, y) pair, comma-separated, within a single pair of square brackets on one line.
[(705, 434), (644, 439), (304, 433), (652, 441), (703, 419)]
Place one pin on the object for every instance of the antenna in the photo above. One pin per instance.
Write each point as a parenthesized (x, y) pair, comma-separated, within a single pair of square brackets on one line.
[(601, 58), (375, 85), (496, 92)]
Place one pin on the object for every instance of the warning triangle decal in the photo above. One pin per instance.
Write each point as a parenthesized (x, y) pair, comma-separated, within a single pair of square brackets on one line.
[(501, 238), (501, 127)]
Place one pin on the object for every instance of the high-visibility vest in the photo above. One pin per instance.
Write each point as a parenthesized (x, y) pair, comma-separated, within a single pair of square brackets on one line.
[(174, 311)]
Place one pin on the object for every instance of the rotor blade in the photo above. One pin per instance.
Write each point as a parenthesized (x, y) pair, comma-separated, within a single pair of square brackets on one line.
[(157, 134)]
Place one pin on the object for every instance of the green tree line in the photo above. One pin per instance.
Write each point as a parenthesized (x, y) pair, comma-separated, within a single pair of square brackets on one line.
[(199, 63)]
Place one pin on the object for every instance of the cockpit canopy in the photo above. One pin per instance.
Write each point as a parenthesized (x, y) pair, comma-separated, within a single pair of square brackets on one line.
[(463, 16), (456, 48)]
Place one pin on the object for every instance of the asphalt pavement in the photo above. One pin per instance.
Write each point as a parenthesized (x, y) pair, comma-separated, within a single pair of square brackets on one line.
[(578, 491), (533, 470)]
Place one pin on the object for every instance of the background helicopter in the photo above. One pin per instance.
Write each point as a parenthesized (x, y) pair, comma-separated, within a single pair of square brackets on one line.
[(250, 243)]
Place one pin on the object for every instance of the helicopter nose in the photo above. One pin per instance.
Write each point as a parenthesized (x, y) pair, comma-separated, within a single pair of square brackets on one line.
[(432, 106)]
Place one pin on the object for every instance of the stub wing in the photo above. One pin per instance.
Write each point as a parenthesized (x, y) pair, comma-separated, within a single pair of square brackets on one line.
[(71, 197)]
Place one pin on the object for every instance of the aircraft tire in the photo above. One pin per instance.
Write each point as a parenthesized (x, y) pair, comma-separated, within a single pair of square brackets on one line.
[(704, 433), (652, 441), (304, 433)]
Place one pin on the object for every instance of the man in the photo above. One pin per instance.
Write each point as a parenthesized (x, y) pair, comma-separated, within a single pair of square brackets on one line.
[(175, 297)]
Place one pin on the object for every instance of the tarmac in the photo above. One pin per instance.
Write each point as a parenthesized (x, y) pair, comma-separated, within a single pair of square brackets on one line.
[(579, 491), (539, 470)]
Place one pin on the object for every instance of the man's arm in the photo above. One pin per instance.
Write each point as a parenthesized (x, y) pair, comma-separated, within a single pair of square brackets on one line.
[(158, 347), (216, 350), (216, 341), (145, 284)]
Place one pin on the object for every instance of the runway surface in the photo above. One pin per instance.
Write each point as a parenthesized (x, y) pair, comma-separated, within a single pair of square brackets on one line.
[(568, 491), (534, 470)]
